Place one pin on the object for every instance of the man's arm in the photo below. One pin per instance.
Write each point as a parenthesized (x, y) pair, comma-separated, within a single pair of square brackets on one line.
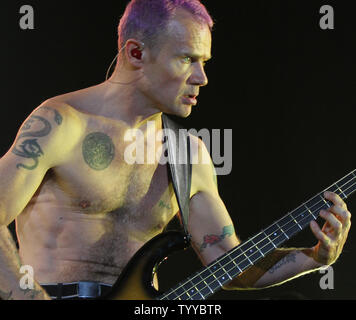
[(213, 235), (22, 169), (10, 276)]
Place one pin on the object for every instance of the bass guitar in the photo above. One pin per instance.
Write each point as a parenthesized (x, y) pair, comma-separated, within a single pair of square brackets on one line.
[(136, 280)]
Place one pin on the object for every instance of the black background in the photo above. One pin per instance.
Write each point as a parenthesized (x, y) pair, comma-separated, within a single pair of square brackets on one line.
[(283, 85)]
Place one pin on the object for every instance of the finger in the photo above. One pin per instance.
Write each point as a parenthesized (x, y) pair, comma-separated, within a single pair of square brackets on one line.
[(343, 215), (335, 199), (320, 235), (333, 221)]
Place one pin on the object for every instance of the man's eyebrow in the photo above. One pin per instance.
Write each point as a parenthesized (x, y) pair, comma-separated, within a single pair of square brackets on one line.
[(197, 56)]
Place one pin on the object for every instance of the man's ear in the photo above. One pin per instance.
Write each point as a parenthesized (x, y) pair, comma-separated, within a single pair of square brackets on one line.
[(134, 52)]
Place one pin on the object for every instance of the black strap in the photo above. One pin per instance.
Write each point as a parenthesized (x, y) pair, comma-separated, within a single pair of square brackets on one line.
[(178, 143), (81, 289)]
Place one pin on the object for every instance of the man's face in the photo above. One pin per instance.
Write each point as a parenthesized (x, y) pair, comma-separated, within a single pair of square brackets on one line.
[(175, 75)]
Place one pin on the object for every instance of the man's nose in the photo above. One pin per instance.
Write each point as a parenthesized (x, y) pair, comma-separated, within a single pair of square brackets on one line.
[(199, 76)]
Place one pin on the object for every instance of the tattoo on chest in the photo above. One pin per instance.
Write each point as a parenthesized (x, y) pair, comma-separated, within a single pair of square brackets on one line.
[(164, 205), (98, 151), (211, 239)]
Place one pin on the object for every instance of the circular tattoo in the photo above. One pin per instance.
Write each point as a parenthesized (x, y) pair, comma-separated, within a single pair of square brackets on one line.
[(98, 150)]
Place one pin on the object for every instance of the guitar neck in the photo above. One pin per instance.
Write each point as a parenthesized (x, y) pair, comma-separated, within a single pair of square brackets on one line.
[(221, 271)]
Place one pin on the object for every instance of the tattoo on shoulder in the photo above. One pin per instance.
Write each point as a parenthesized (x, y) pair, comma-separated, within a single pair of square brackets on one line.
[(212, 239), (98, 150), (57, 116), (28, 146)]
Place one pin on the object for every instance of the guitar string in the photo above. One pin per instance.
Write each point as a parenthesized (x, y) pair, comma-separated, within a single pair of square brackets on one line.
[(222, 267), (266, 236)]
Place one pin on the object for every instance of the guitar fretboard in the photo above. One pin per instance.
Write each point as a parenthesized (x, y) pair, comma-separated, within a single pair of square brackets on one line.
[(210, 279)]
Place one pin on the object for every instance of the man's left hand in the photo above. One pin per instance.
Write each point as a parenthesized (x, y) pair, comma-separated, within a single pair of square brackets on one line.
[(333, 235)]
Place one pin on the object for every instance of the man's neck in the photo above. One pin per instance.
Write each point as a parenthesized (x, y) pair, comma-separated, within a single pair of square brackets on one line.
[(125, 103)]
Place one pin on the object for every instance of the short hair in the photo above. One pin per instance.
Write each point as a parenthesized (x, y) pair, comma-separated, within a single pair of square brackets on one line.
[(145, 20)]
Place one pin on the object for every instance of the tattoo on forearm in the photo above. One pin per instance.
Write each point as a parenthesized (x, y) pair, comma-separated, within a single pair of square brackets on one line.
[(212, 239), (30, 148), (6, 295), (275, 260), (32, 293), (291, 257), (98, 151)]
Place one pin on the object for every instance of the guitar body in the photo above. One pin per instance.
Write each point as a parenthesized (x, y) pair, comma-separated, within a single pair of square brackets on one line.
[(136, 280)]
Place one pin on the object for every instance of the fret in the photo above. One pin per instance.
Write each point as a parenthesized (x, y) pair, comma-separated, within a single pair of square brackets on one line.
[(313, 204), (316, 204), (236, 269), (197, 296), (278, 240), (256, 256), (327, 202), (251, 252), (244, 264), (292, 228), (232, 269), (211, 281), (236, 253), (266, 246), (206, 291), (248, 259), (333, 188), (190, 288), (225, 260), (259, 237), (342, 195), (301, 216), (310, 212), (240, 260), (284, 220), (270, 230), (184, 296), (219, 272), (216, 279)]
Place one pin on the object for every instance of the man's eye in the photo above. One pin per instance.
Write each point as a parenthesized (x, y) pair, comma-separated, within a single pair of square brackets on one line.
[(187, 60)]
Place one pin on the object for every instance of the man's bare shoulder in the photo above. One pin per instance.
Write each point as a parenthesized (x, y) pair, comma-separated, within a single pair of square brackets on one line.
[(203, 172), (55, 125)]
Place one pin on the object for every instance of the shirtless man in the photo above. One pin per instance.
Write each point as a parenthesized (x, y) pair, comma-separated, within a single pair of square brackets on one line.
[(82, 212)]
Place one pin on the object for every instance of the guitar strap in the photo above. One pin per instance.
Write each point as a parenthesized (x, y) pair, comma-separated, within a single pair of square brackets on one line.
[(178, 145)]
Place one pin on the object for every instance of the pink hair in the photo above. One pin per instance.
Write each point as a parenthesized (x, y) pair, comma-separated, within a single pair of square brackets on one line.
[(145, 20)]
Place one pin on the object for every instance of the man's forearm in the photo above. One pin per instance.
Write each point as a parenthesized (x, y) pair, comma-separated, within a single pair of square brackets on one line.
[(280, 266), (10, 275)]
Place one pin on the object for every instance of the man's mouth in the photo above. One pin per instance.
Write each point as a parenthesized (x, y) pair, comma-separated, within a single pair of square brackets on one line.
[(190, 99)]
